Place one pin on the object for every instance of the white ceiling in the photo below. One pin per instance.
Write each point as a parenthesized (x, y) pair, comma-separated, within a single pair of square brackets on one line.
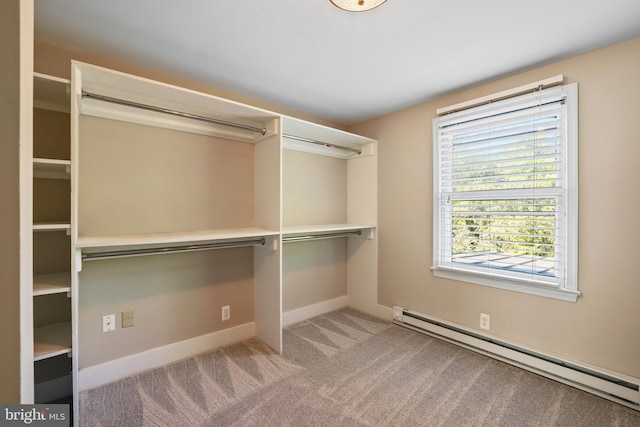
[(346, 67)]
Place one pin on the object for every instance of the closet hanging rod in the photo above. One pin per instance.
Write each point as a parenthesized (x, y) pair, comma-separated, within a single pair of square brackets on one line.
[(104, 98), (321, 236), (171, 249), (324, 144)]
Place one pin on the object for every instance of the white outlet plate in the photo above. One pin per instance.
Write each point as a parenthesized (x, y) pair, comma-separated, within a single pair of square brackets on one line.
[(109, 323), (485, 321), (226, 312), (397, 313)]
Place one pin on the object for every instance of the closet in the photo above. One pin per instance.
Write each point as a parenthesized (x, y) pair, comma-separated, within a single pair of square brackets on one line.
[(52, 292), (329, 220), (177, 216), (183, 205)]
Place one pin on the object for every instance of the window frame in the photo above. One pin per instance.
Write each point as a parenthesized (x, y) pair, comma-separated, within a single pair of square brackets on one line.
[(567, 288)]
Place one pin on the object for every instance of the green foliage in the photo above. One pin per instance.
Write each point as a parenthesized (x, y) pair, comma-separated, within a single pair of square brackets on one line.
[(514, 227)]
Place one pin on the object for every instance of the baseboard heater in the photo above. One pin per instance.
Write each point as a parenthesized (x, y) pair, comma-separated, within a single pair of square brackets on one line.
[(623, 391)]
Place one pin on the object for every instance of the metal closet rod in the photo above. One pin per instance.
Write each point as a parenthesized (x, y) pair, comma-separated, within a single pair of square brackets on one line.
[(171, 249), (321, 236), (324, 144), (112, 100)]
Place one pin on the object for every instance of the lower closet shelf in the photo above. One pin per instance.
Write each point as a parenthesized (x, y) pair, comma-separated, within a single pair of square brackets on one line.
[(54, 283), (52, 340)]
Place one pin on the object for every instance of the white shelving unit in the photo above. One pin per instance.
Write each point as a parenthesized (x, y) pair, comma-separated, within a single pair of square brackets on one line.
[(329, 218), (184, 186), (147, 178), (52, 228)]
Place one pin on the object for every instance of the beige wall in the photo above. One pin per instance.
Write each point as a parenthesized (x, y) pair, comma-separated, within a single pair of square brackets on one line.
[(174, 297), (15, 27), (603, 327), (9, 189)]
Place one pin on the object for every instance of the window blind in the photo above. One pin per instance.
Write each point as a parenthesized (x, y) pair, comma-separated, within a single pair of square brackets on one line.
[(500, 189)]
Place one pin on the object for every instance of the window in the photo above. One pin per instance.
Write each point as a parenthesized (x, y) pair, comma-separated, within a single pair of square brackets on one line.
[(505, 194)]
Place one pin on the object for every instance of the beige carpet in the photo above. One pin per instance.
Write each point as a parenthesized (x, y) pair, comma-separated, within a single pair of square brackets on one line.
[(346, 369)]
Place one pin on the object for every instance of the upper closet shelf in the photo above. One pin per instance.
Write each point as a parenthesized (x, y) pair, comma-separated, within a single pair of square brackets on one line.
[(119, 96), (51, 93), (51, 168), (313, 138)]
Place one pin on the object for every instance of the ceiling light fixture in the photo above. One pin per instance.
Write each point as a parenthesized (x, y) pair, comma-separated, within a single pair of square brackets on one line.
[(357, 5)]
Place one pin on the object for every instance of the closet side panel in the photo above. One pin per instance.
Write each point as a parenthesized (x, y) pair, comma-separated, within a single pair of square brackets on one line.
[(362, 188), (363, 253), (268, 259)]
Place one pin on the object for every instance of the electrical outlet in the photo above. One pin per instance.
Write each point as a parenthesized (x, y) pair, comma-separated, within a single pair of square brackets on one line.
[(109, 323), (127, 318), (397, 313), (485, 321), (226, 312)]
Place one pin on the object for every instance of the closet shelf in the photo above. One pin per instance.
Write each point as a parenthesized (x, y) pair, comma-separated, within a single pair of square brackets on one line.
[(51, 168), (52, 340), (133, 90), (51, 93), (54, 283), (52, 226), (171, 239), (324, 140)]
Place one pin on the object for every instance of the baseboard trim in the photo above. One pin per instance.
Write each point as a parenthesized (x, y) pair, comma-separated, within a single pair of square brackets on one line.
[(104, 373), (304, 313), (619, 388)]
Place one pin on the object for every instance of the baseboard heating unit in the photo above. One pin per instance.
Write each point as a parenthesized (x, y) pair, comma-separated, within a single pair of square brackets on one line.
[(625, 391)]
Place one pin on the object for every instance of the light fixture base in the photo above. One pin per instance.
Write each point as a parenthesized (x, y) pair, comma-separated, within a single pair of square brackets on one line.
[(357, 5)]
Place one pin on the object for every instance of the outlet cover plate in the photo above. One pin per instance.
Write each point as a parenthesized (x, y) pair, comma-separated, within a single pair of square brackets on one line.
[(485, 321), (127, 318), (109, 323)]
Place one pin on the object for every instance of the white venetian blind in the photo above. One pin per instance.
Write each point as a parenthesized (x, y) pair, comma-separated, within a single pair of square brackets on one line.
[(500, 185)]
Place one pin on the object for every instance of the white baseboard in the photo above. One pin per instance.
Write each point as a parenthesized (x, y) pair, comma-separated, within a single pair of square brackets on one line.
[(104, 373), (614, 386), (304, 313)]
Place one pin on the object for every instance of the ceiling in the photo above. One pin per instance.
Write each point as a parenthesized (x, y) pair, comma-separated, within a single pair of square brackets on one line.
[(312, 57)]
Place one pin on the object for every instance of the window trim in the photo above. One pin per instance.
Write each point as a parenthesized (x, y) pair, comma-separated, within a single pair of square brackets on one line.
[(568, 291)]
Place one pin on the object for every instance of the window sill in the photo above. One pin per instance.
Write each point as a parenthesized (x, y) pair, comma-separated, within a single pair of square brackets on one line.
[(507, 284)]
